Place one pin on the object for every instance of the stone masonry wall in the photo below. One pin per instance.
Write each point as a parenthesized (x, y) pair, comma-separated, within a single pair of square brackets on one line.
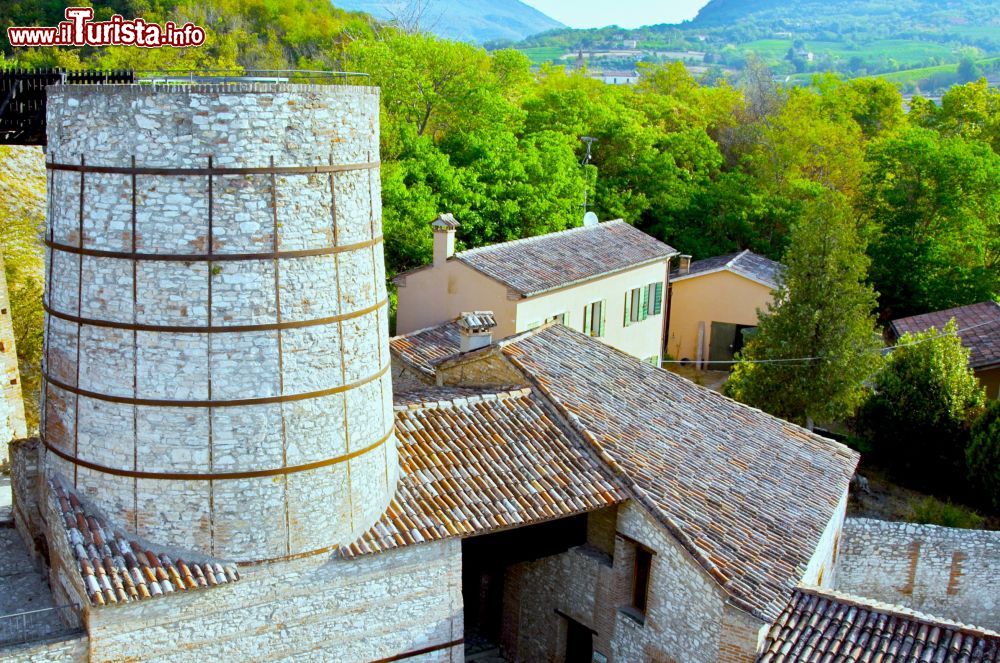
[(64, 650), (684, 618), (687, 618), (227, 325), (946, 572), (573, 583), (314, 609), (12, 422)]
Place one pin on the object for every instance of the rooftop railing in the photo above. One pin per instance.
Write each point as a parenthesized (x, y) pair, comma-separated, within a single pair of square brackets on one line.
[(35, 625)]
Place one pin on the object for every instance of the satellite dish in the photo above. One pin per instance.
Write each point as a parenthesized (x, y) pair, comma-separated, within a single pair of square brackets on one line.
[(590, 220)]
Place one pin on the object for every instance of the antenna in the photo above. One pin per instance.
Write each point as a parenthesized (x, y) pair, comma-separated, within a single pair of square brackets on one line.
[(588, 140), (590, 220)]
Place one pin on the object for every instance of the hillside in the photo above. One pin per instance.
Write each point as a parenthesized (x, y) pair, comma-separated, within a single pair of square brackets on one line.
[(475, 21), (798, 37)]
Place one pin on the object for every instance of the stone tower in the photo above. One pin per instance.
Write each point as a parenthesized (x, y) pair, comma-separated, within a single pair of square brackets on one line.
[(216, 356)]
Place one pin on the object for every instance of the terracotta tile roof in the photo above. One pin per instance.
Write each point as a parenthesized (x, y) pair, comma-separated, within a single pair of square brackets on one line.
[(424, 348), (818, 625), (981, 323), (483, 463), (429, 396), (748, 494), (536, 264), (118, 569), (745, 263)]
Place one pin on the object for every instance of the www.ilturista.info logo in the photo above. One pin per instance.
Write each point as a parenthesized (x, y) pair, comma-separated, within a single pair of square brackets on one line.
[(80, 30)]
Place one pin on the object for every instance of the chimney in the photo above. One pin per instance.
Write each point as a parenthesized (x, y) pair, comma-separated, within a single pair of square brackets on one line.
[(685, 265), (476, 329), (444, 238)]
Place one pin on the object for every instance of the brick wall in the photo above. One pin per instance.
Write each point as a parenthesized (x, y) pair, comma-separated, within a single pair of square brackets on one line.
[(949, 573)]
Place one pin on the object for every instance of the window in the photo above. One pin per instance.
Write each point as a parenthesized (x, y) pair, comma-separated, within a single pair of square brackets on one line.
[(655, 297), (593, 318), (558, 317), (640, 579), (640, 303), (635, 305)]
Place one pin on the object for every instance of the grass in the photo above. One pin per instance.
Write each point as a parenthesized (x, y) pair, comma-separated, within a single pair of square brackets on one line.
[(543, 54), (887, 499), (932, 511), (903, 51), (915, 76)]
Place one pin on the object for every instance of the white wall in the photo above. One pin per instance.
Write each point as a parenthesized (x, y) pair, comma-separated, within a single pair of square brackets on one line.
[(640, 339)]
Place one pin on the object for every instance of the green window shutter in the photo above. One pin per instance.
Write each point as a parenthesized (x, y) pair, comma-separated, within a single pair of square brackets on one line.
[(657, 297), (643, 303), (600, 307), (628, 308), (586, 319)]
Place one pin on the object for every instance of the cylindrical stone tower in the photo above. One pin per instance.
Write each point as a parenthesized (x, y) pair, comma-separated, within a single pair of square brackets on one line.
[(216, 341)]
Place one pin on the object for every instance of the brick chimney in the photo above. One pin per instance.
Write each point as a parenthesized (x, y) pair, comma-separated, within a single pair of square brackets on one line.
[(685, 265), (444, 238), (476, 329)]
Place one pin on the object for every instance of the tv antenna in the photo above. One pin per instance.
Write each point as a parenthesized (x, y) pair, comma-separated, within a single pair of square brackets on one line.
[(588, 141)]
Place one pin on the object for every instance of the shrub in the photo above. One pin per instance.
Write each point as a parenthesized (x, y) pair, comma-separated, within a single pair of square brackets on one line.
[(923, 399), (982, 456), (932, 511)]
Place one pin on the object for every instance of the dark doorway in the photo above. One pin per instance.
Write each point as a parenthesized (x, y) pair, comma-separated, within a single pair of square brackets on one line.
[(579, 642), (485, 560), (727, 340)]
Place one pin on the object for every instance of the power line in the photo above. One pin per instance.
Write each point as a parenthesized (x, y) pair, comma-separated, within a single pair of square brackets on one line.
[(803, 361)]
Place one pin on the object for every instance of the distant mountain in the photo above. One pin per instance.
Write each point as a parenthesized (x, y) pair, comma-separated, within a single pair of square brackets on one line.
[(465, 20), (813, 12)]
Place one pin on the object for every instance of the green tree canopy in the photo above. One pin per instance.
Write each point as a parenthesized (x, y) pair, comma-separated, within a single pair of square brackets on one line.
[(934, 206), (923, 399), (982, 456), (816, 344)]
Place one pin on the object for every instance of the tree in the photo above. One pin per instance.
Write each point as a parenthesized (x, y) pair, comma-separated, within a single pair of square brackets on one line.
[(921, 403), (934, 205), (821, 320), (982, 456), (971, 111), (968, 70), (22, 206)]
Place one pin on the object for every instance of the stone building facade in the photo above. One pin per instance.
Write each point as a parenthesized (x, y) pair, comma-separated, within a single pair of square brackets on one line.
[(12, 423)]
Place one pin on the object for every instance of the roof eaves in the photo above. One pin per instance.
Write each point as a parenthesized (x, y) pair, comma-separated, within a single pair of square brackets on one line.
[(726, 268), (489, 276), (896, 610), (611, 272), (403, 275)]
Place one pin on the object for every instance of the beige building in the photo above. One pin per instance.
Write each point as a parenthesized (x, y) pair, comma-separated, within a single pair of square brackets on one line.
[(713, 304), (607, 281)]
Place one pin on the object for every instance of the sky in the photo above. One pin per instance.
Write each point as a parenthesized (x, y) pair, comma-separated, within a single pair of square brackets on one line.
[(626, 13)]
